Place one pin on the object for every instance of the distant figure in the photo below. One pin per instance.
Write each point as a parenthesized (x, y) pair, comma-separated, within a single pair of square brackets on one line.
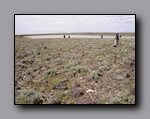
[(116, 40), (101, 36), (68, 36), (120, 36), (64, 36)]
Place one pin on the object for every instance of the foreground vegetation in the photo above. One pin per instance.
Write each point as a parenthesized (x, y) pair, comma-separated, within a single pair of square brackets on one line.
[(74, 71)]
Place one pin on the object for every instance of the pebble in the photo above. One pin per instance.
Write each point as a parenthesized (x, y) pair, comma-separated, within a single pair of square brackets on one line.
[(81, 78), (90, 91)]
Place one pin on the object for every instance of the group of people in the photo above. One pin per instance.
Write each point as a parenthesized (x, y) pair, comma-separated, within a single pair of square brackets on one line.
[(116, 38), (65, 36)]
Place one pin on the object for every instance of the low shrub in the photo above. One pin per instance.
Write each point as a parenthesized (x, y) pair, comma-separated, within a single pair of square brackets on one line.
[(105, 66), (54, 100), (123, 99), (57, 61), (51, 72), (27, 96), (70, 64), (95, 74)]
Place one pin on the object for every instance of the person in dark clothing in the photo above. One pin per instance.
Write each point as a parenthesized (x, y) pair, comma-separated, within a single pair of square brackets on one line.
[(116, 40)]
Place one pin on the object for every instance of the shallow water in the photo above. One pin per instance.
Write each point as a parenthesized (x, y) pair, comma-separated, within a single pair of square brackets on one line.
[(73, 36)]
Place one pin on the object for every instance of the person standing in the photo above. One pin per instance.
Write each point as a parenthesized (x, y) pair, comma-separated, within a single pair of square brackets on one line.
[(116, 40)]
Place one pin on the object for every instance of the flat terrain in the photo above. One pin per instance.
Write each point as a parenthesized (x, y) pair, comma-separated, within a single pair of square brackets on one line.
[(72, 36), (74, 71), (90, 34)]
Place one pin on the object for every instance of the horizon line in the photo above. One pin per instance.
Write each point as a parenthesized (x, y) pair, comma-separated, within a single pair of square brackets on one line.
[(67, 33)]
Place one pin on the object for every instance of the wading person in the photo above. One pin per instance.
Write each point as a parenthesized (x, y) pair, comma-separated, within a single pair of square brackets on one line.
[(116, 40)]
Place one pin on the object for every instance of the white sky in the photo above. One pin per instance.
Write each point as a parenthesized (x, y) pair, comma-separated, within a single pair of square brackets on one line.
[(31, 24)]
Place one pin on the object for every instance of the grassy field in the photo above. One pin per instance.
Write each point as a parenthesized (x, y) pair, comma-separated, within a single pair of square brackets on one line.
[(74, 71)]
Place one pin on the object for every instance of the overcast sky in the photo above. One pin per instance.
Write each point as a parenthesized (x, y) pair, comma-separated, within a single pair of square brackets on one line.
[(31, 24)]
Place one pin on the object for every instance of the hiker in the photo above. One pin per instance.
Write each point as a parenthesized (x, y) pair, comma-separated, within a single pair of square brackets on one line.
[(116, 40), (64, 36)]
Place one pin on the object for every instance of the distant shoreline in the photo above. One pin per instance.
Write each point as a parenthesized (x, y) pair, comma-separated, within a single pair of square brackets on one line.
[(84, 33)]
